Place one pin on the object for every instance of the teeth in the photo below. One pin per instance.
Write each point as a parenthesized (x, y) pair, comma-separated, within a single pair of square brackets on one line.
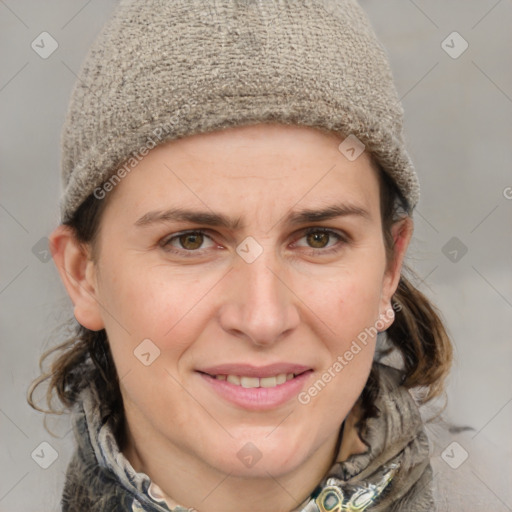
[(281, 378), (268, 382), (249, 382), (233, 379), (255, 382)]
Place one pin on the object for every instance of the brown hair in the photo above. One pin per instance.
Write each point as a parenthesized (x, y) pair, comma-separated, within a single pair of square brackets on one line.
[(417, 332)]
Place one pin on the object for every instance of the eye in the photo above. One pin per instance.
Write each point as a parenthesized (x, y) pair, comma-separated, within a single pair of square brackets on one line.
[(321, 241), (190, 241), (326, 240)]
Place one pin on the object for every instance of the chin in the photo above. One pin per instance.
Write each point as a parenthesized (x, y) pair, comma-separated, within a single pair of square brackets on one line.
[(255, 457)]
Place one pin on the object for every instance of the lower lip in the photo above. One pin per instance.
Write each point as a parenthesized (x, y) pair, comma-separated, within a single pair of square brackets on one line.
[(258, 399)]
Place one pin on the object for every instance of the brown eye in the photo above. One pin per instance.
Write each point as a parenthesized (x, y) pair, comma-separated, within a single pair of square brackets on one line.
[(191, 241), (318, 239), (322, 241), (188, 244)]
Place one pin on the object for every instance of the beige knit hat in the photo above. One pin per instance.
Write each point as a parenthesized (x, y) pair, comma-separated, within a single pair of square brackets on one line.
[(165, 69)]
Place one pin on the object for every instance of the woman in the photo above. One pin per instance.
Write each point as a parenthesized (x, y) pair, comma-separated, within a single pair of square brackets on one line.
[(237, 208)]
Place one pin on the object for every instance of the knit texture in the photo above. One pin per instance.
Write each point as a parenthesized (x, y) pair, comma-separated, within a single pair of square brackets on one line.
[(165, 69)]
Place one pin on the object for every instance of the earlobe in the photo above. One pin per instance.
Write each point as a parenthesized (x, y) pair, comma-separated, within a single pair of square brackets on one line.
[(78, 274)]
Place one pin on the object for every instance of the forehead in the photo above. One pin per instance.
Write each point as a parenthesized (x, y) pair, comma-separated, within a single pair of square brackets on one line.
[(271, 143), (249, 165)]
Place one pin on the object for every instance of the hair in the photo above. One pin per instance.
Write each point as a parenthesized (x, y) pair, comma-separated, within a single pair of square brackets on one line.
[(417, 333)]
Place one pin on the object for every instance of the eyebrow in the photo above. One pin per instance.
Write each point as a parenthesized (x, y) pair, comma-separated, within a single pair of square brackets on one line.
[(219, 220)]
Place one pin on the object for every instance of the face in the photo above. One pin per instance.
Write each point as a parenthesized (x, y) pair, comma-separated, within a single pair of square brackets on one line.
[(216, 272)]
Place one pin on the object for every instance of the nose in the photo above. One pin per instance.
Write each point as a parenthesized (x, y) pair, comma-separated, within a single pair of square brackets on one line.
[(259, 305)]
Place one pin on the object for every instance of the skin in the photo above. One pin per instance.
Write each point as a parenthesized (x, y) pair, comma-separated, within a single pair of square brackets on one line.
[(295, 303)]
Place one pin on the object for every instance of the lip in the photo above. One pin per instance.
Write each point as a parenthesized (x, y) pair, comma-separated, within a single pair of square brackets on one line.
[(249, 370), (256, 399)]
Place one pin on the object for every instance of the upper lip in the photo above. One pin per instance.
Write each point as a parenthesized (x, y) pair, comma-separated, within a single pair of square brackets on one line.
[(254, 371)]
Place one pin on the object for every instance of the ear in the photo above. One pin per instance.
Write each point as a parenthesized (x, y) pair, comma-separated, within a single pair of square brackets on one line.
[(401, 233), (78, 274)]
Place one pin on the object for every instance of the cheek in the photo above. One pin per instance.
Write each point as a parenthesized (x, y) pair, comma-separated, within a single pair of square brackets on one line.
[(152, 320), (142, 303), (347, 301), (348, 309)]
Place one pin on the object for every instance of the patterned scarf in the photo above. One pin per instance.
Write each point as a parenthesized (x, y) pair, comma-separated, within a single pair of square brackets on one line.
[(391, 474)]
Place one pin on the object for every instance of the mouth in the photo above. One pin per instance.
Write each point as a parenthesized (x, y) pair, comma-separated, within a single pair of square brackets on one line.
[(256, 388), (247, 382)]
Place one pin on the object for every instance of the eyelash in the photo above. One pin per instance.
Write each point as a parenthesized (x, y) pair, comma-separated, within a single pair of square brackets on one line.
[(343, 239)]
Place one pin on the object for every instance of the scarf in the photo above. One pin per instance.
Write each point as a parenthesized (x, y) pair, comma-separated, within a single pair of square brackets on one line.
[(391, 473)]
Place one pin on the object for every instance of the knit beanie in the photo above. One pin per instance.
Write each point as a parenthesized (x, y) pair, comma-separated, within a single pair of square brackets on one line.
[(164, 69)]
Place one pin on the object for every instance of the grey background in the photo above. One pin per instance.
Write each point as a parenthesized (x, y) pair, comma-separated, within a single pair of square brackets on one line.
[(459, 129)]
